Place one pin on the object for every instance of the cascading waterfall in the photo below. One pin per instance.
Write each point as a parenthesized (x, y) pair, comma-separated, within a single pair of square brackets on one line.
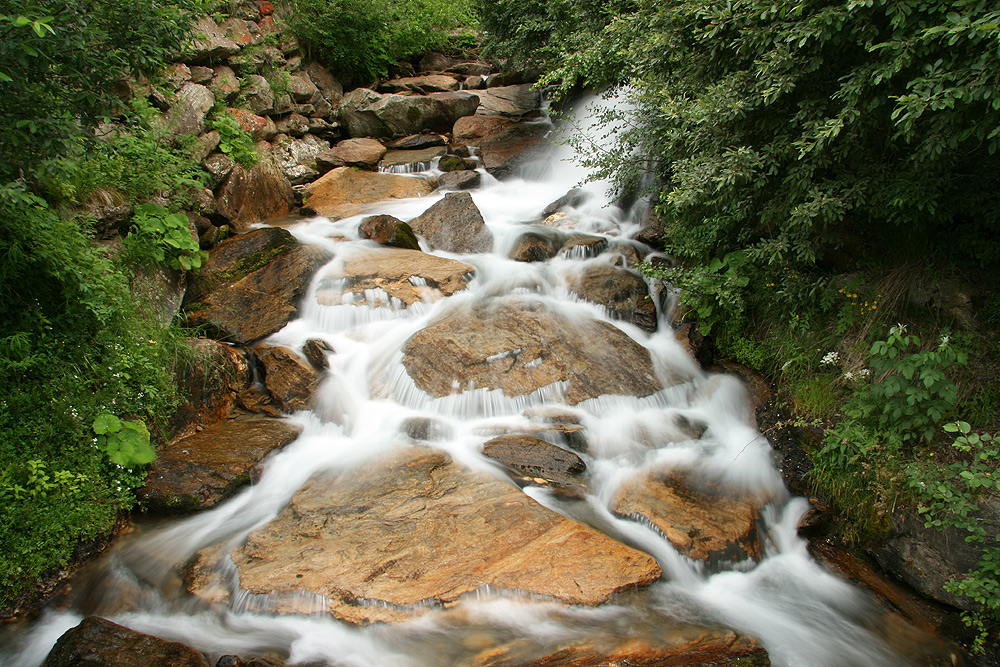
[(802, 614)]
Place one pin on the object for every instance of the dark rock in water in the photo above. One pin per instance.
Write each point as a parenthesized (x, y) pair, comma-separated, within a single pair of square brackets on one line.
[(515, 345), (651, 232), (238, 257), (701, 348), (289, 378), (426, 429), (257, 194), (97, 642), (571, 199), (208, 385), (451, 163), (533, 461), (584, 245), (390, 231), (623, 292), (465, 179), (236, 661), (198, 471), (315, 350), (454, 224), (701, 521), (414, 160), (536, 246)]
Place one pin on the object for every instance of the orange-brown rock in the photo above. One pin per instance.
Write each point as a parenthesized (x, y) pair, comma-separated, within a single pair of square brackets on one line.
[(624, 293), (518, 346), (429, 83), (346, 191), (416, 529), (208, 384), (533, 461), (700, 520), (363, 153), (257, 194), (200, 470)]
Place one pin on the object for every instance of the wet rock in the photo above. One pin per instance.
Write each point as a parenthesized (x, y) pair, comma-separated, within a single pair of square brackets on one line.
[(454, 224), (624, 293), (191, 106), (471, 68), (533, 461), (510, 101), (99, 642), (426, 429), (251, 284), (366, 113), (422, 85), (315, 350), (345, 191), (390, 231), (451, 163), (394, 271), (516, 346), (289, 378), (198, 471), (651, 231), (583, 245), (208, 385), (257, 194), (417, 142), (701, 521), (630, 254), (535, 246), (297, 157), (472, 130), (465, 179), (413, 160), (416, 530), (207, 43), (504, 153), (362, 153), (699, 347), (572, 199)]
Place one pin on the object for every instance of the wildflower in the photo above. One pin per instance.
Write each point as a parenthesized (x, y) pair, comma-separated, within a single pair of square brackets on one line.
[(945, 339), (830, 358), (865, 372), (849, 375)]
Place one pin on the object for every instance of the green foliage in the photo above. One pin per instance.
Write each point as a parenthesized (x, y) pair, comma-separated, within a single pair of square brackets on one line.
[(167, 237), (125, 442), (234, 141), (360, 40), (948, 497)]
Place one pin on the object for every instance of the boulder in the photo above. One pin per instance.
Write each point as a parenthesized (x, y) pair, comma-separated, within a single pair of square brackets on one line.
[(583, 245), (362, 153), (208, 385), (465, 179), (99, 642), (252, 61), (454, 224), (517, 346), (472, 130), (198, 471), (533, 461), (701, 521), (407, 275), (297, 157), (451, 163), (294, 124), (510, 101), (224, 85), (328, 86), (251, 284), (410, 161), (572, 199), (366, 113), (417, 142), (207, 43), (324, 129), (258, 95), (536, 246), (176, 75), (290, 379), (315, 350), (262, 128), (624, 293), (203, 146), (422, 85), (503, 154), (470, 69), (187, 114), (345, 191), (218, 166), (256, 194), (302, 88), (417, 531), (435, 62), (390, 231)]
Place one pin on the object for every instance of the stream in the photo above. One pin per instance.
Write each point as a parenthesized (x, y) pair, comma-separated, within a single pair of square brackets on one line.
[(367, 404)]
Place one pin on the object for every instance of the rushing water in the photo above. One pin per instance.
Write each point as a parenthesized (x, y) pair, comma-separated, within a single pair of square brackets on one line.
[(801, 613)]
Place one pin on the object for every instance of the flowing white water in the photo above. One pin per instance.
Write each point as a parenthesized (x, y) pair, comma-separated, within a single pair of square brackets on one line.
[(801, 614)]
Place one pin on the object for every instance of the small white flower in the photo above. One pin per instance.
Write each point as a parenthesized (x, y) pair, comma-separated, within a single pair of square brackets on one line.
[(849, 375), (830, 358), (865, 372)]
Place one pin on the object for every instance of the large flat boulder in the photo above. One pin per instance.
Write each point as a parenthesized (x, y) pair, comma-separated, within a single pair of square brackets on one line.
[(366, 113), (510, 101), (518, 346), (389, 539), (363, 153), (237, 257), (454, 224), (99, 642), (624, 293), (701, 520), (347, 191), (428, 83), (407, 275), (199, 471), (256, 194)]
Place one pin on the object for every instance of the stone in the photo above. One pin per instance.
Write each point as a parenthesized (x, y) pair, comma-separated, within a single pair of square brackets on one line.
[(651, 230), (417, 142), (324, 129), (254, 195), (302, 88), (203, 146), (218, 167), (535, 246), (258, 95), (176, 75), (236, 30), (207, 43), (328, 86), (97, 642), (199, 471), (390, 231), (289, 378), (262, 128), (464, 179), (224, 85), (191, 105), (474, 82), (417, 531), (345, 191), (435, 62), (511, 101), (623, 293), (504, 154), (572, 199), (533, 461), (411, 161), (362, 153), (454, 224), (393, 271), (516, 346), (245, 308), (315, 350), (201, 74), (297, 157), (700, 520), (472, 130), (583, 245), (293, 124), (366, 113), (254, 61), (238, 257), (208, 385), (470, 69), (422, 85)]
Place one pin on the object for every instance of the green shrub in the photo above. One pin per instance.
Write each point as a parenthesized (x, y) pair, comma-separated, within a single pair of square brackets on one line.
[(234, 141), (166, 237)]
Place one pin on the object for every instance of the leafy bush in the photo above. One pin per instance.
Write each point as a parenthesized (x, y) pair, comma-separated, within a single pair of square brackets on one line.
[(166, 237), (234, 141)]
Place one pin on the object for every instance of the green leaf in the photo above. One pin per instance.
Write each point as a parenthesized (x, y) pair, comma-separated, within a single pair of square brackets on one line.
[(107, 423)]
